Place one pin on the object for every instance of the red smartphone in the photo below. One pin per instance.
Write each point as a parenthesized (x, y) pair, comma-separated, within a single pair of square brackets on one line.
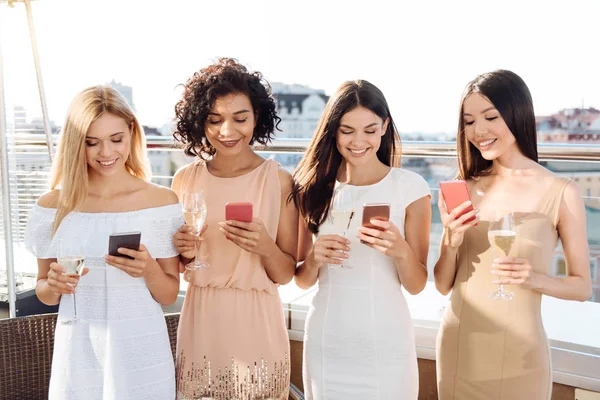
[(454, 194), (238, 212), (380, 211)]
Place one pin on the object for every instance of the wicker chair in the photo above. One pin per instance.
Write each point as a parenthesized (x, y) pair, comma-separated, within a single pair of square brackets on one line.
[(26, 345)]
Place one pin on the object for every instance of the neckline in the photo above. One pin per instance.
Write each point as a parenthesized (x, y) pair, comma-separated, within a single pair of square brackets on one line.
[(258, 167), (112, 213), (338, 183)]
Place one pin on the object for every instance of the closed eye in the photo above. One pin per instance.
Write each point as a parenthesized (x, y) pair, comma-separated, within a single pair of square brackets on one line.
[(469, 122), (491, 118)]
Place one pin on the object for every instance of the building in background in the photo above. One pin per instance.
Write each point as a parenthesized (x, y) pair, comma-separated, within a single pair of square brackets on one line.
[(124, 90)]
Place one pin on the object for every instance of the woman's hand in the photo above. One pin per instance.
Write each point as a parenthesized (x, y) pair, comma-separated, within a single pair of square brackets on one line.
[(514, 271), (328, 249), (142, 265), (454, 225), (250, 236), (387, 239), (184, 241), (59, 283)]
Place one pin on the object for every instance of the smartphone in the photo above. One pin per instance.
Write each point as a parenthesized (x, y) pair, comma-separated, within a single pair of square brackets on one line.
[(454, 194), (128, 240), (238, 211), (380, 211)]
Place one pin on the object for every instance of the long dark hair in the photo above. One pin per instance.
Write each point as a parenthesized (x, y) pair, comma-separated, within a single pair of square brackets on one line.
[(224, 77), (511, 97), (317, 171)]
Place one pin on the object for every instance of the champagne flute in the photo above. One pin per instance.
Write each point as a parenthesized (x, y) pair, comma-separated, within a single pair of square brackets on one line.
[(194, 213), (502, 235), (72, 259), (342, 212)]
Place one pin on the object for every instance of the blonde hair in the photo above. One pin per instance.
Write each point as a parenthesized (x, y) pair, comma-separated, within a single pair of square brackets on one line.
[(70, 171)]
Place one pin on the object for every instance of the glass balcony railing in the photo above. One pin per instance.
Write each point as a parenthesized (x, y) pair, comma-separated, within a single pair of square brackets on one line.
[(573, 327)]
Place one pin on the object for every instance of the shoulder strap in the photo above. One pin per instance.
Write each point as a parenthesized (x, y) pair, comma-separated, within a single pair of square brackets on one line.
[(550, 203)]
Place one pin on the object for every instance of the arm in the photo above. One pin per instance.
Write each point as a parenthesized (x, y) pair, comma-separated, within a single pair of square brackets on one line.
[(48, 295), (280, 260), (164, 282), (183, 239), (572, 230), (411, 264), (410, 254), (444, 271), (307, 271)]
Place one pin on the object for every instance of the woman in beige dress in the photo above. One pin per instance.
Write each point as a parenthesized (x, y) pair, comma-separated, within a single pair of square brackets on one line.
[(497, 349), (232, 338)]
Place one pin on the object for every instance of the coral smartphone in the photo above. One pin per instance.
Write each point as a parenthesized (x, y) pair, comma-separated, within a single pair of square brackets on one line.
[(128, 240), (380, 211), (238, 211), (454, 194)]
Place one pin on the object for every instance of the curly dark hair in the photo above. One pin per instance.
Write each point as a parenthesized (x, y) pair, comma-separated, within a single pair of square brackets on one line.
[(224, 77)]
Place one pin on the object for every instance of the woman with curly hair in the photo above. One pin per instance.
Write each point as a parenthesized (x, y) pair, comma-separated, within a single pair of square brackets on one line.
[(232, 339)]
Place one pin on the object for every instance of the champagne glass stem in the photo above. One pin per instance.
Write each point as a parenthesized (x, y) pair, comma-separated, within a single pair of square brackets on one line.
[(74, 307), (196, 254)]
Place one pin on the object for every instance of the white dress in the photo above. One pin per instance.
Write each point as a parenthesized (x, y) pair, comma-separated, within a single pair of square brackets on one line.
[(359, 341), (120, 350)]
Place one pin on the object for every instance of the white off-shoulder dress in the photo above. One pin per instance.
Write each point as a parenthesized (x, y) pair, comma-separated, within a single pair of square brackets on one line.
[(121, 350)]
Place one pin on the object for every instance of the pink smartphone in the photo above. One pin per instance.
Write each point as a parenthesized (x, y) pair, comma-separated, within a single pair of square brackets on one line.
[(455, 193), (241, 211)]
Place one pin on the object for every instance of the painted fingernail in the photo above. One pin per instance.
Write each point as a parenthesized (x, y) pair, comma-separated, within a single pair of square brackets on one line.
[(221, 230), (221, 223)]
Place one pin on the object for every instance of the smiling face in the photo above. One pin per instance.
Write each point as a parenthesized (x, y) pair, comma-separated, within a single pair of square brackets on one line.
[(359, 136), (230, 124), (485, 128), (108, 144)]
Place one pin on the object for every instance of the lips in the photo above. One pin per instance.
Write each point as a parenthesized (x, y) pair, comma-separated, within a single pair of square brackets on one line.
[(486, 143), (108, 163), (358, 152), (229, 143)]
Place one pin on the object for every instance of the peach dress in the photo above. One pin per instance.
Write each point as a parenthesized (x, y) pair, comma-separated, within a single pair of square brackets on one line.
[(232, 338), (497, 349)]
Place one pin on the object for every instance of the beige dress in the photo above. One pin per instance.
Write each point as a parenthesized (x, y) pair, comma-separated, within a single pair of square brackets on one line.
[(497, 349), (232, 339)]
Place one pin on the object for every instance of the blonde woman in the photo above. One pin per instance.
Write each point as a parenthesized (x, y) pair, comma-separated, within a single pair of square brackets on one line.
[(119, 348)]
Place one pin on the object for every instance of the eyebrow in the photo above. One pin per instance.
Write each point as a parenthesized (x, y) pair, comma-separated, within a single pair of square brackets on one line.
[(235, 113), (114, 134), (483, 112), (349, 127)]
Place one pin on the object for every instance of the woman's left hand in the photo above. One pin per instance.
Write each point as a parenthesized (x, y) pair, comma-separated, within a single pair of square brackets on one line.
[(250, 236), (142, 265), (387, 239), (514, 271)]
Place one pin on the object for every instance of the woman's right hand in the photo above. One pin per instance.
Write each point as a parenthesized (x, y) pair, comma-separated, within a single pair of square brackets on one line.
[(184, 241), (329, 249), (455, 226), (59, 283)]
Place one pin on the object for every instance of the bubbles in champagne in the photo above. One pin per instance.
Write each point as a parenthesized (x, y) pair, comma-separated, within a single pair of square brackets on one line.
[(502, 241)]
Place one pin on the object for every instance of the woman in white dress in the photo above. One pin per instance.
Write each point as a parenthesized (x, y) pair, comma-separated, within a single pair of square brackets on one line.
[(119, 349), (359, 341)]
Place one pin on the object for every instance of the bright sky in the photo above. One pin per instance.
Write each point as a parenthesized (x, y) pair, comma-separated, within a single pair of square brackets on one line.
[(420, 53)]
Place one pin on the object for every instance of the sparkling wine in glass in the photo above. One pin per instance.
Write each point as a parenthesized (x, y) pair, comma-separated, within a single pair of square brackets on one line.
[(502, 235), (342, 212), (194, 213), (71, 257)]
